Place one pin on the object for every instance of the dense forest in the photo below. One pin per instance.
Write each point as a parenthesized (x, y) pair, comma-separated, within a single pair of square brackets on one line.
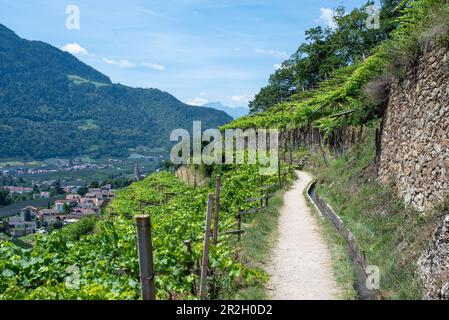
[(51, 104)]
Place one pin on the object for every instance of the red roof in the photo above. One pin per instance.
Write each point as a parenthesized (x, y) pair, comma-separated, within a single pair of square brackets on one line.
[(17, 189)]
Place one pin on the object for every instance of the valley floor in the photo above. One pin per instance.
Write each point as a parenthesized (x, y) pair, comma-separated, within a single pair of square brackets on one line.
[(301, 266)]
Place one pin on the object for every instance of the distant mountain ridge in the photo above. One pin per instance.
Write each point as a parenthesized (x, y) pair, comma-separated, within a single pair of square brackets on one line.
[(52, 104), (234, 112)]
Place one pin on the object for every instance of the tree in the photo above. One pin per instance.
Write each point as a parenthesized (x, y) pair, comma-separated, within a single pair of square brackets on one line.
[(82, 191), (325, 50), (94, 184), (57, 187), (4, 197), (27, 215), (66, 209), (266, 98)]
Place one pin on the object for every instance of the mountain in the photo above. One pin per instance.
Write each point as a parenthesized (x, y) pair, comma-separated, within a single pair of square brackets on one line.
[(234, 112), (52, 104)]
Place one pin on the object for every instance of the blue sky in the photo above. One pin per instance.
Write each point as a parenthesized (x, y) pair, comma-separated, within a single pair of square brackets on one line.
[(198, 50)]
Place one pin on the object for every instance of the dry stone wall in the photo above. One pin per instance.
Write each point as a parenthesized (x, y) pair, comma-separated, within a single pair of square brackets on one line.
[(415, 138)]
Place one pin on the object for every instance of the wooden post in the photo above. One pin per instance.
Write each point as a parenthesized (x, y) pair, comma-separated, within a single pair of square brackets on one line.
[(205, 263), (217, 207), (188, 244), (145, 249), (239, 226), (191, 264), (261, 191)]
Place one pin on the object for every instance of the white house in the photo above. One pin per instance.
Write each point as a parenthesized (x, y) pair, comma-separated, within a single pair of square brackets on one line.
[(23, 224)]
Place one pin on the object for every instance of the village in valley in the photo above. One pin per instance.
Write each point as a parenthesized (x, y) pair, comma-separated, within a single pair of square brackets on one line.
[(72, 204)]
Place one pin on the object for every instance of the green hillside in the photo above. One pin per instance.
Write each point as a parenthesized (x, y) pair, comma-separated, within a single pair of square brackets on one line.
[(52, 104)]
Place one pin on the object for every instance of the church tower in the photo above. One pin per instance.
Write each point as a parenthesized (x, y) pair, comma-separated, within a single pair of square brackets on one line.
[(137, 173)]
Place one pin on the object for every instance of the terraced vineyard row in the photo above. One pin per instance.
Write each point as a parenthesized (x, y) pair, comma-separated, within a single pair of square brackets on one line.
[(103, 264)]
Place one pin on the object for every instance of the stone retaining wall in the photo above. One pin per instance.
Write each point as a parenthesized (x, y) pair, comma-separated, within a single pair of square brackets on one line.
[(415, 138)]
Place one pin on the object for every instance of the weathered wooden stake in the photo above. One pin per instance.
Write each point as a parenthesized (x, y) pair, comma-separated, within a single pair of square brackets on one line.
[(261, 191), (145, 249), (205, 263), (191, 264), (239, 227), (217, 207)]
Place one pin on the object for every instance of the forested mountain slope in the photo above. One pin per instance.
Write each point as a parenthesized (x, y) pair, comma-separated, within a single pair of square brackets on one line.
[(52, 104)]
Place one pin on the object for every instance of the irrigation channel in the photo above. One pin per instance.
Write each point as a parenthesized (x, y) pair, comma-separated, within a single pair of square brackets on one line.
[(356, 255)]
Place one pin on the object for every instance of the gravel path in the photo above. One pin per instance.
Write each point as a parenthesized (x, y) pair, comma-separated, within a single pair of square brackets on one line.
[(301, 264)]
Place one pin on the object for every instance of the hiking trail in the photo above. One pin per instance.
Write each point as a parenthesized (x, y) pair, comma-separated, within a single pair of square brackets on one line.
[(300, 267)]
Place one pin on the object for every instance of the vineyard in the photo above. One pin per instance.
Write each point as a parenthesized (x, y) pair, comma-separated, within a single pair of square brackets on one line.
[(99, 259), (355, 95)]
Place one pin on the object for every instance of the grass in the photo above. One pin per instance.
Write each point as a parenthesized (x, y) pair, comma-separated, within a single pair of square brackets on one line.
[(79, 80), (392, 235), (17, 241), (257, 243), (259, 239), (88, 125), (14, 163), (342, 267), (28, 239)]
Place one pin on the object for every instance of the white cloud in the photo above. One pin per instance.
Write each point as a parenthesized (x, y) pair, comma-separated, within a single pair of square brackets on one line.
[(74, 48), (240, 99), (327, 16), (154, 66), (109, 61), (276, 53), (126, 64), (203, 94), (151, 13), (120, 63), (197, 101)]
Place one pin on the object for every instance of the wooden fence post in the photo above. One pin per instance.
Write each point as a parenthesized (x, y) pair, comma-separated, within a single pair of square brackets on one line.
[(217, 207), (261, 191), (191, 264), (205, 263), (145, 249)]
